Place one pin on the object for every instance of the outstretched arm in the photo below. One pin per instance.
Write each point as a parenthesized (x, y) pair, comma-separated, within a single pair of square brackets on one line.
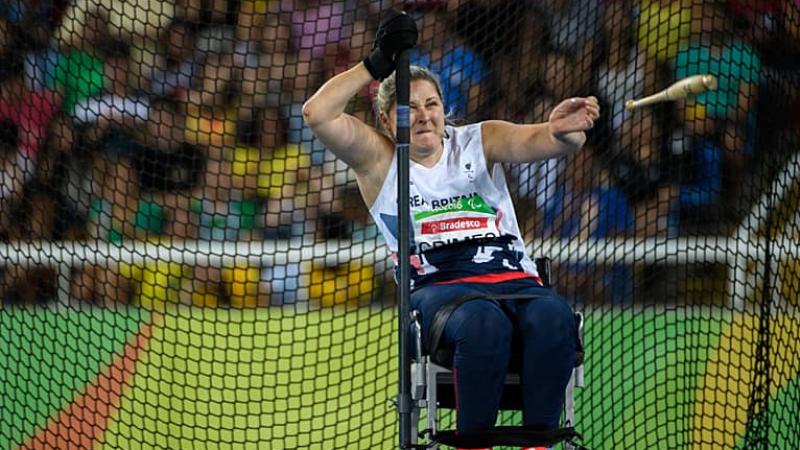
[(562, 134), (354, 142)]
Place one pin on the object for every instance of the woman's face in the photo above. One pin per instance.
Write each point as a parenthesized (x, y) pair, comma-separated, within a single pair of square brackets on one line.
[(427, 118)]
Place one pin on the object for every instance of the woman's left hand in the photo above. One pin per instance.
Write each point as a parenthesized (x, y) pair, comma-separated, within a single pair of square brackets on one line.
[(570, 118)]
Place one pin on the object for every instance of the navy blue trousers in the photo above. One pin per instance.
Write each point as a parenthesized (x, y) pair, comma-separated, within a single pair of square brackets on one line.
[(480, 332)]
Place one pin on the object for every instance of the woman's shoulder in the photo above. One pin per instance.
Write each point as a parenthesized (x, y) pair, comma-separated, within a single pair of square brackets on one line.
[(463, 131)]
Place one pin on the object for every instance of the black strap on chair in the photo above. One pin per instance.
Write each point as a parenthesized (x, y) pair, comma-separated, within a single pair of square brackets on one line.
[(443, 356), (512, 436)]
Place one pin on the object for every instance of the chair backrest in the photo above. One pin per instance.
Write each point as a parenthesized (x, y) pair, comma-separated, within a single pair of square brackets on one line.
[(543, 267)]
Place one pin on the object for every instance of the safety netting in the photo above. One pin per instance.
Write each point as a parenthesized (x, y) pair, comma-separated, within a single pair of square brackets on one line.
[(183, 265)]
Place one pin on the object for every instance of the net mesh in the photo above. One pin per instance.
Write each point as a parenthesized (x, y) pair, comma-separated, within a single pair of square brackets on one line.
[(185, 266)]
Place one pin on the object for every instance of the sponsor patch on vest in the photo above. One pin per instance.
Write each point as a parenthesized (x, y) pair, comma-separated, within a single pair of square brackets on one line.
[(459, 224), (465, 218)]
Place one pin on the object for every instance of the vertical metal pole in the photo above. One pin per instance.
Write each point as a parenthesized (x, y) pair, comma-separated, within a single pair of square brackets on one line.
[(403, 87)]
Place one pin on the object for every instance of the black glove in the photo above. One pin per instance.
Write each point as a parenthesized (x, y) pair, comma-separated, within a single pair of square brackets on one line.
[(397, 32)]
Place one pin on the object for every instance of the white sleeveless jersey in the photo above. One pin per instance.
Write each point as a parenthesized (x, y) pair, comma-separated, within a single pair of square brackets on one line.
[(463, 219)]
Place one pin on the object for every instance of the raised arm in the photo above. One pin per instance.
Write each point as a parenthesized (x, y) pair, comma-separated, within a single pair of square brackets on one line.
[(354, 142), (562, 134)]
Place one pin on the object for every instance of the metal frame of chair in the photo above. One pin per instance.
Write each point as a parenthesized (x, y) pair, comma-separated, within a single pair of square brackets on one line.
[(432, 386)]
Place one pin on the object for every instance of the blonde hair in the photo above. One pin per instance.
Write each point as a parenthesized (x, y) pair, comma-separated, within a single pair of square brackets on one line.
[(387, 92)]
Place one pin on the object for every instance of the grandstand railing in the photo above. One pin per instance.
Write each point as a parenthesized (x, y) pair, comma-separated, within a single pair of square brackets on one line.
[(734, 252), (740, 277)]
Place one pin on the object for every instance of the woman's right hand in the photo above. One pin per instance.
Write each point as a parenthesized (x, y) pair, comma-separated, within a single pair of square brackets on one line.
[(396, 33)]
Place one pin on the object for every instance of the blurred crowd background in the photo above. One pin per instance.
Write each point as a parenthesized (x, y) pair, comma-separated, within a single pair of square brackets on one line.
[(172, 121)]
